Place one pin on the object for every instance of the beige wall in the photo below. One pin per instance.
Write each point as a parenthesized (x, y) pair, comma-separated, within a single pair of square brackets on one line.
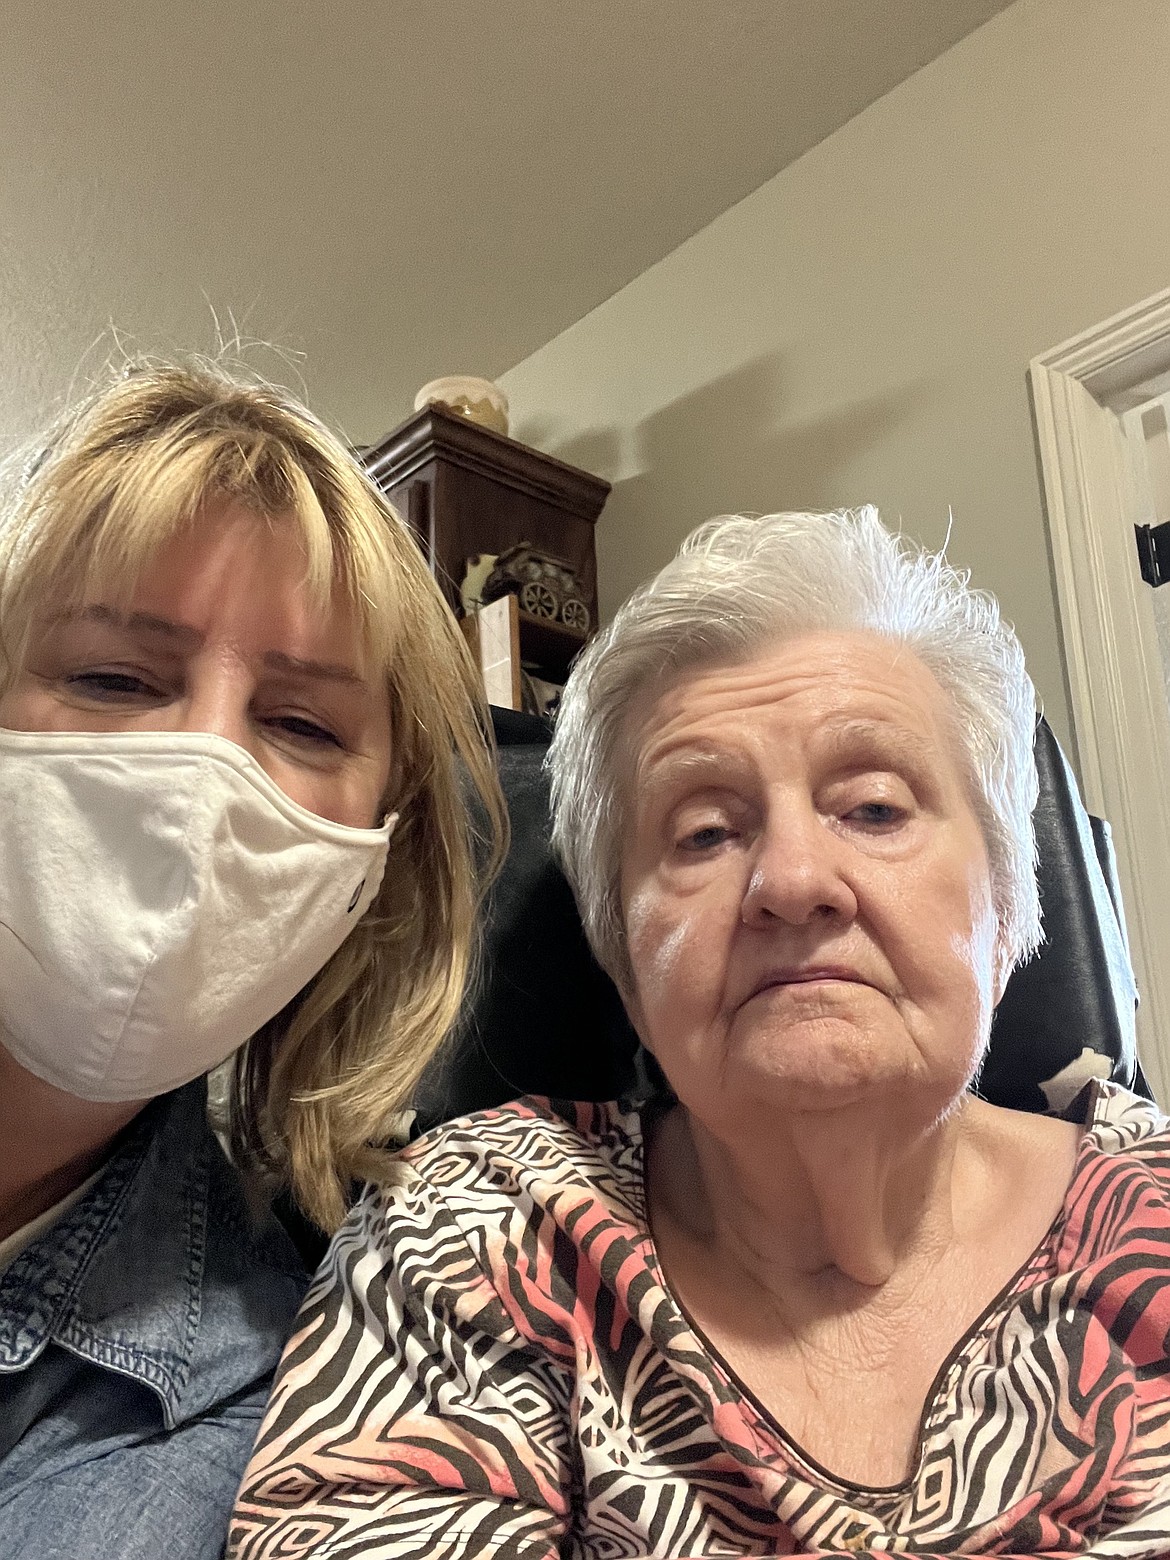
[(860, 327)]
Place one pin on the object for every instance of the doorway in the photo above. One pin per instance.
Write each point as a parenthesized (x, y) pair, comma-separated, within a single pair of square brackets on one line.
[(1102, 410)]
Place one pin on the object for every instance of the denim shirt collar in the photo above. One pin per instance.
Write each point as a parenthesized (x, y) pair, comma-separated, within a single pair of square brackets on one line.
[(161, 1272)]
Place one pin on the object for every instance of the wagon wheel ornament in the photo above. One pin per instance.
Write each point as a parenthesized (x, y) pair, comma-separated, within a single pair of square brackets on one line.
[(575, 614), (538, 600)]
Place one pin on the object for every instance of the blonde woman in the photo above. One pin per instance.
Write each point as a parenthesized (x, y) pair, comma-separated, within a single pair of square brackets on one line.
[(237, 724)]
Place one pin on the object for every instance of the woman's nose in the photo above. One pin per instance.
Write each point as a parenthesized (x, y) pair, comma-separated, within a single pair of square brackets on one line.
[(798, 875), (219, 706)]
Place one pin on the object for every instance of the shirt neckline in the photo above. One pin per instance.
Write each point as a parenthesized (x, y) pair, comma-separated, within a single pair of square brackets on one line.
[(1025, 1277)]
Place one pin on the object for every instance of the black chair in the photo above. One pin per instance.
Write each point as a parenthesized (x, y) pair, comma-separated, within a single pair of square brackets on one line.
[(544, 1019)]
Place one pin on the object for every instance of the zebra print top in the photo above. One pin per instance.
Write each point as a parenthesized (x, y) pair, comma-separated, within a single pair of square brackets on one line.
[(490, 1363)]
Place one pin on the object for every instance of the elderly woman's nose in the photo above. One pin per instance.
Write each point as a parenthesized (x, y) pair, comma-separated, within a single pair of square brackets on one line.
[(797, 875)]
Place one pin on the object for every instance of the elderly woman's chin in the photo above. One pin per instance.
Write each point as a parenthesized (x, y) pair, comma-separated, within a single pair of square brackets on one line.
[(781, 1065)]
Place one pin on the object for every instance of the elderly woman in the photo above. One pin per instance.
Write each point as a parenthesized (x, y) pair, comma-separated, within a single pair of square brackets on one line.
[(238, 731), (817, 1296)]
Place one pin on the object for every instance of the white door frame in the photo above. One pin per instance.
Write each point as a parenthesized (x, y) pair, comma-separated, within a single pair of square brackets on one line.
[(1119, 710)]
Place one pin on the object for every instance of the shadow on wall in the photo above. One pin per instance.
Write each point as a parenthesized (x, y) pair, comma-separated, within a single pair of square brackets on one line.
[(724, 448)]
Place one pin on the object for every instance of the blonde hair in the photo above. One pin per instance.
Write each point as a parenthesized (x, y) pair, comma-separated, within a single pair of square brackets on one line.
[(317, 1087)]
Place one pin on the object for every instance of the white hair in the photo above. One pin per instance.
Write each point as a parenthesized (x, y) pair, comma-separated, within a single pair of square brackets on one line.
[(740, 583)]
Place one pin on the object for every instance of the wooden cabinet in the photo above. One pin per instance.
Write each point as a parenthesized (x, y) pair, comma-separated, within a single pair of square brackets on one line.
[(466, 490)]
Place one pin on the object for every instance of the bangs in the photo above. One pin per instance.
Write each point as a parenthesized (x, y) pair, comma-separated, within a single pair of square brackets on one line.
[(97, 524)]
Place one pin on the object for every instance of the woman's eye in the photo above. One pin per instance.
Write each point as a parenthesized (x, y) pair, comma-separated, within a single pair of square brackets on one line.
[(706, 838), (111, 687), (302, 729), (877, 815)]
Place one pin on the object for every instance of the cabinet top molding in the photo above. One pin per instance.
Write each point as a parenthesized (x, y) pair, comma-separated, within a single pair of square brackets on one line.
[(434, 434)]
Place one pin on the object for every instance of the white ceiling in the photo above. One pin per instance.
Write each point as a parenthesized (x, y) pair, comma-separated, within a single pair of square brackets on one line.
[(395, 191)]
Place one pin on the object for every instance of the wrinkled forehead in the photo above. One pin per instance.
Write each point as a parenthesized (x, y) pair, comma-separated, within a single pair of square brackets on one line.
[(844, 691)]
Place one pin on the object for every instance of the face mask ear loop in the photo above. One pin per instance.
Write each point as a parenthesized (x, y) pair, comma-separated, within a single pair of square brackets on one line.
[(388, 823)]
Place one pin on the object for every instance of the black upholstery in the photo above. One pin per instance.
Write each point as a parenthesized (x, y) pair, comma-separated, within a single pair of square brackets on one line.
[(545, 1020), (1079, 991)]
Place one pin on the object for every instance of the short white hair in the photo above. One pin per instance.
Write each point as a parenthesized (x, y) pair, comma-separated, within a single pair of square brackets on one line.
[(740, 583)]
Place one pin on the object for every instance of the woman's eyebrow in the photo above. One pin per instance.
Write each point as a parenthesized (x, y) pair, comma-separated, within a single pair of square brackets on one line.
[(133, 622), (298, 666), (184, 635), (686, 766), (876, 741)]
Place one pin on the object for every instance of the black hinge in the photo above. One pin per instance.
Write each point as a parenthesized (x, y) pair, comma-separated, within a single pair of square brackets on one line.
[(1153, 546)]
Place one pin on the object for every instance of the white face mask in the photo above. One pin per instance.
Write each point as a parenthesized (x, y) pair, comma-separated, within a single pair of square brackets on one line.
[(160, 899)]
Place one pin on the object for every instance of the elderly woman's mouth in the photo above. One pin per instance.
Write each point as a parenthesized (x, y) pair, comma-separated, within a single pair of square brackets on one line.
[(809, 975)]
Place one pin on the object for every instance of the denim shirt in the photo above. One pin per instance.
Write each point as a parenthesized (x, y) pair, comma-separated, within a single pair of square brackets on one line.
[(138, 1337)]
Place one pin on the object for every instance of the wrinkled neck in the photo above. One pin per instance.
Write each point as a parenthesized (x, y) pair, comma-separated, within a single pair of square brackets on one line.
[(836, 1194)]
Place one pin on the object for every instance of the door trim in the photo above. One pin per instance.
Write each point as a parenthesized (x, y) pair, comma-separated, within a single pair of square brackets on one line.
[(1121, 727)]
